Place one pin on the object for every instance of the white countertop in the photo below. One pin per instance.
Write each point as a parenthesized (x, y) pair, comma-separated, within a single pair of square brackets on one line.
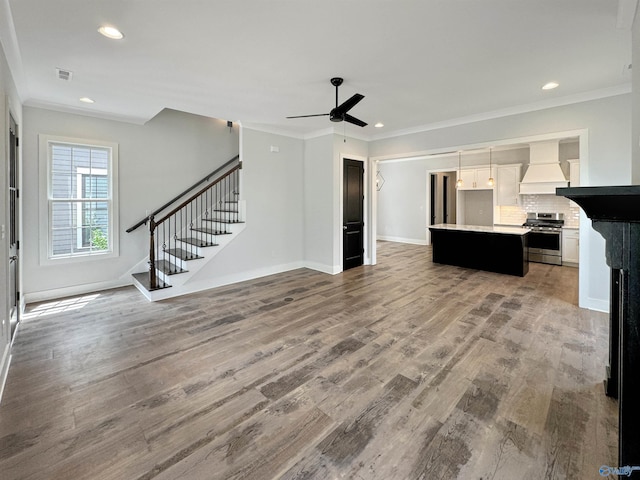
[(484, 229)]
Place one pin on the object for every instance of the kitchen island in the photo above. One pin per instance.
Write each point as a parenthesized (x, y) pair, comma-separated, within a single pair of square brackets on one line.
[(494, 249)]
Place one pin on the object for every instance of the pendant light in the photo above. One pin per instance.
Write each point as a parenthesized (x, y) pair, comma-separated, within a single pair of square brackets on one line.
[(459, 182), (490, 182)]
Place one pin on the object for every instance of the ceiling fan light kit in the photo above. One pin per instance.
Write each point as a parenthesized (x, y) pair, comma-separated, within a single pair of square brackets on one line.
[(339, 113)]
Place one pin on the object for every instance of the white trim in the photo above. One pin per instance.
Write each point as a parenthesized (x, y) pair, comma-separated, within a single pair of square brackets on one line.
[(516, 110), (56, 107), (81, 289), (332, 130), (320, 267), (596, 304), (411, 241), (451, 151), (44, 154), (4, 372), (222, 281)]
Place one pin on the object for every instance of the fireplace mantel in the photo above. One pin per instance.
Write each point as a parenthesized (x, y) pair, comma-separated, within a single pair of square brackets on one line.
[(615, 214)]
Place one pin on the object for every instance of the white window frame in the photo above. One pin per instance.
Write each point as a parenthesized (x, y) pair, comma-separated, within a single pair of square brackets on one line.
[(46, 200)]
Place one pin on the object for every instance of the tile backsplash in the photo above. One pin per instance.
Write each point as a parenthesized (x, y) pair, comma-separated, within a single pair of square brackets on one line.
[(516, 215)]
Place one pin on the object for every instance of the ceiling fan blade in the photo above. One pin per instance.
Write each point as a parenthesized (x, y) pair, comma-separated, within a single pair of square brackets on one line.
[(348, 104), (315, 115), (354, 120)]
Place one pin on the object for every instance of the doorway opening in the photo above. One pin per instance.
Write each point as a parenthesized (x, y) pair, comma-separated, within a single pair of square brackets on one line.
[(442, 198)]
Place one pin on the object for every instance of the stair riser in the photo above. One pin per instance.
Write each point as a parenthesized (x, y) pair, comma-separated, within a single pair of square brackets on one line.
[(180, 281)]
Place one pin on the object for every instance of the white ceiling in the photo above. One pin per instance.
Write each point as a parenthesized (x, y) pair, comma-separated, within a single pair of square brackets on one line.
[(418, 62)]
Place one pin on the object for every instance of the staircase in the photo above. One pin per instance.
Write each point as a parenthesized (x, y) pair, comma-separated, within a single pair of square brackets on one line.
[(185, 238)]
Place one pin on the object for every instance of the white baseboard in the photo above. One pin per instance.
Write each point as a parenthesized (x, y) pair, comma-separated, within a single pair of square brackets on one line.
[(412, 241), (194, 287), (321, 267), (596, 304), (4, 369), (75, 290)]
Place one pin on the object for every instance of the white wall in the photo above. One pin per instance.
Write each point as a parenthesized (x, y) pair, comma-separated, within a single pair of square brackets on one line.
[(9, 103), (608, 162), (402, 202), (319, 203), (156, 161), (272, 187)]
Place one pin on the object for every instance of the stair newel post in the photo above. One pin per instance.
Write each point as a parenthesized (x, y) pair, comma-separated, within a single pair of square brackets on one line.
[(153, 281)]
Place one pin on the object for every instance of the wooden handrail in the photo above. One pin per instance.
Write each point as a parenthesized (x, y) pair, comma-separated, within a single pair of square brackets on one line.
[(178, 197), (196, 195)]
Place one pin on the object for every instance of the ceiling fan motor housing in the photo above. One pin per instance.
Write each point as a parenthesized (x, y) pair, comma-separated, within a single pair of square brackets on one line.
[(335, 116)]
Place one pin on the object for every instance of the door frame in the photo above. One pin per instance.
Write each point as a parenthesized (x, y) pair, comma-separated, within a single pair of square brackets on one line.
[(14, 282), (587, 235), (428, 200), (367, 213)]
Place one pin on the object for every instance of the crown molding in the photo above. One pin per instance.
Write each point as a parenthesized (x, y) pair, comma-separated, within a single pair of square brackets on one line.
[(516, 110)]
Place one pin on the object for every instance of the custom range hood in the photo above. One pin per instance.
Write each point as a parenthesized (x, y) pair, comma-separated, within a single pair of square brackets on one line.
[(543, 174)]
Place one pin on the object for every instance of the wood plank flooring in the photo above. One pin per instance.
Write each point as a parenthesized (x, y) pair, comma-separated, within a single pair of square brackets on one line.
[(405, 370)]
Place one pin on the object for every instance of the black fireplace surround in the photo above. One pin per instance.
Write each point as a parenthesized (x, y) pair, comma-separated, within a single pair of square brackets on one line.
[(615, 214)]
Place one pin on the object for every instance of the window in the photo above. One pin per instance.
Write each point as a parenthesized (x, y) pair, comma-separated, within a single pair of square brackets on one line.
[(80, 216)]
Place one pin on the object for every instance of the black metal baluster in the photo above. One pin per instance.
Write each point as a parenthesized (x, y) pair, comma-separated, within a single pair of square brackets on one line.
[(152, 261)]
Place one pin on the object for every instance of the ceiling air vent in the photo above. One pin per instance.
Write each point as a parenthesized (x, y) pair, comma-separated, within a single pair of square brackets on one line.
[(64, 74)]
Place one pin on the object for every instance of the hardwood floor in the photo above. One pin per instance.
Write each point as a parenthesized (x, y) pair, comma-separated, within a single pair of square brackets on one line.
[(405, 370)]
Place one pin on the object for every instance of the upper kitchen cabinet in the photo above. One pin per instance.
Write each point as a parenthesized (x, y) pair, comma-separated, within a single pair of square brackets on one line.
[(574, 173), (475, 178), (507, 181)]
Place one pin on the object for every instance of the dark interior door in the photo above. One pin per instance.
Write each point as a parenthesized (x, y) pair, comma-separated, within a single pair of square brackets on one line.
[(434, 190), (353, 214), (445, 199), (14, 294)]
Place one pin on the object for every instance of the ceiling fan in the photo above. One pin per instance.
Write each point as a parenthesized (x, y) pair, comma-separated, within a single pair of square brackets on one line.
[(339, 113)]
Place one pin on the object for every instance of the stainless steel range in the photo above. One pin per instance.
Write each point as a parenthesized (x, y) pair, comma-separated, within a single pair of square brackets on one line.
[(545, 239)]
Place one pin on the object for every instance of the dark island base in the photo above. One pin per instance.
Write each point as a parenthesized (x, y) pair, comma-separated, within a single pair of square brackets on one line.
[(493, 252)]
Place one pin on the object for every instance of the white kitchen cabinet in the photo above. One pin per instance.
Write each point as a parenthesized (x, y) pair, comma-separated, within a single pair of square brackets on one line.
[(507, 181), (574, 173), (570, 246), (475, 178)]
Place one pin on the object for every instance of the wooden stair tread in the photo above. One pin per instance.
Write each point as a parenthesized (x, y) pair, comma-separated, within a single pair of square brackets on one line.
[(197, 242), (210, 231), (219, 220), (169, 268), (183, 254), (143, 279)]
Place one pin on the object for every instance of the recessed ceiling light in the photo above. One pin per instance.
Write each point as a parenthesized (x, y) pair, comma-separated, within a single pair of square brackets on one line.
[(550, 85), (379, 125), (111, 32), (86, 100)]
